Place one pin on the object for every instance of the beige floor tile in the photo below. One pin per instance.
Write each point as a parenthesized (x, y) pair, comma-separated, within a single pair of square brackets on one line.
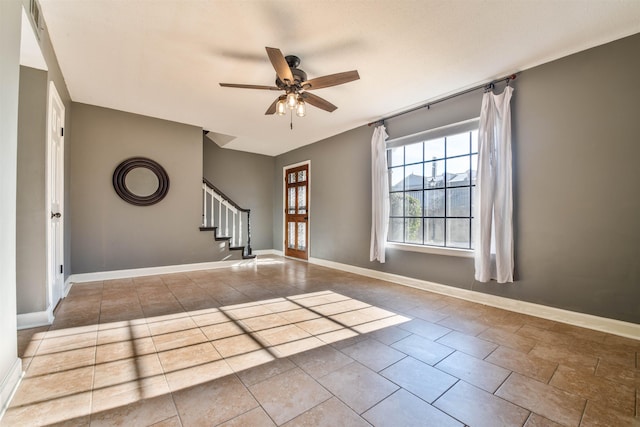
[(299, 315), (198, 374), (404, 409), (552, 403), (599, 390), (564, 356), (143, 412), (598, 415), (29, 340), (427, 313), (124, 350), (467, 344), (53, 386), (178, 339), (237, 345), (508, 339), (213, 402), (525, 364), (422, 349), (357, 386), (464, 325), (373, 354), (425, 329), (484, 375), (262, 372), (209, 317), (389, 335), (184, 357), (536, 420), (161, 327), (126, 333), (169, 422), (266, 321), (287, 395), (319, 326), (329, 413), (424, 381), (61, 361), (49, 411), (54, 343), (255, 417), (251, 359), (281, 335), (126, 370), (321, 361), (74, 422), (476, 407), (290, 348), (127, 392)]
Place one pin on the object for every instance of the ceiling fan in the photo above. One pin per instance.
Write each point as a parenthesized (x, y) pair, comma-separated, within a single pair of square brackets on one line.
[(293, 81)]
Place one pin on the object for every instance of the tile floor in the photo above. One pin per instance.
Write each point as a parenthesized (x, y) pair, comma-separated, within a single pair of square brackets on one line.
[(281, 342)]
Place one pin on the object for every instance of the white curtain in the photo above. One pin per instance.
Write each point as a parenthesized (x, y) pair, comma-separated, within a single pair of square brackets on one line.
[(493, 217), (379, 194)]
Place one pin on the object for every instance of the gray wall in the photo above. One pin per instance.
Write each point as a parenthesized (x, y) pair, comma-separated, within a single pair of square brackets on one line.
[(9, 82), (111, 234), (246, 178), (575, 150), (31, 256)]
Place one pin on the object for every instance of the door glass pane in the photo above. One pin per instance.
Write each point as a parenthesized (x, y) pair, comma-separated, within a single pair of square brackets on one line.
[(292, 200), (302, 236), (413, 178), (291, 177), (434, 203), (458, 171), (459, 201), (413, 203), (397, 204), (434, 231), (291, 240), (434, 149), (474, 169), (395, 229), (413, 153), (458, 144), (302, 199), (413, 230), (434, 174), (458, 233), (302, 176)]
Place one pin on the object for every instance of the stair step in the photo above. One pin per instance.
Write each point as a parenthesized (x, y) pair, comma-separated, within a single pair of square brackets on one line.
[(208, 228), (252, 256)]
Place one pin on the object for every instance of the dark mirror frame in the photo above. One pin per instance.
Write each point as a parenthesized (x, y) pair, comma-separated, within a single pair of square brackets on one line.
[(120, 176)]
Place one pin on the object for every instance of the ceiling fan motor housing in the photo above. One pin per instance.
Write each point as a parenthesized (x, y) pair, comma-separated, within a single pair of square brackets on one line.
[(299, 76)]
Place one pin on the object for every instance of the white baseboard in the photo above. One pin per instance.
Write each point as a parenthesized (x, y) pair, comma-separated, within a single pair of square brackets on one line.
[(35, 319), (603, 324), (152, 271), (267, 252), (9, 385)]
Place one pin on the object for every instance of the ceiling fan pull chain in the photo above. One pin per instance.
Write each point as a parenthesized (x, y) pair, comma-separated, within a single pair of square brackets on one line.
[(291, 118)]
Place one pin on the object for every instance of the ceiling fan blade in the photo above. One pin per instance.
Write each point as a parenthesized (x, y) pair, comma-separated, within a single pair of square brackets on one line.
[(272, 107), (249, 86), (316, 101), (280, 64), (331, 80)]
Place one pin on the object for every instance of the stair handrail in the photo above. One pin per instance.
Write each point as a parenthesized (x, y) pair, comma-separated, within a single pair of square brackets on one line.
[(226, 198)]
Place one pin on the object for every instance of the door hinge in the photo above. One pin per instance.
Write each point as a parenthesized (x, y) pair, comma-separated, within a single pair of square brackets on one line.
[(61, 269), (61, 131)]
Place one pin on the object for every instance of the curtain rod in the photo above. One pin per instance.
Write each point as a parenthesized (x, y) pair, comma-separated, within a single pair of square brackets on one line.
[(486, 86)]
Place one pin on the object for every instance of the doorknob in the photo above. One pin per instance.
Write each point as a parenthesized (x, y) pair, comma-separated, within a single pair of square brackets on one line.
[(55, 215)]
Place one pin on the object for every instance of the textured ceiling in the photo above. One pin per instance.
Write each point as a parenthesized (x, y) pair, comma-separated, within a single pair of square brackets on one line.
[(165, 58)]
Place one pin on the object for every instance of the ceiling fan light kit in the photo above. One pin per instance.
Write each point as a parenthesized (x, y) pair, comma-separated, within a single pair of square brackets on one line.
[(293, 81)]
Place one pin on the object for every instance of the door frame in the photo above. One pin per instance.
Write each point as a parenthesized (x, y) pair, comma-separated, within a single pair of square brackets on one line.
[(284, 207), (55, 282)]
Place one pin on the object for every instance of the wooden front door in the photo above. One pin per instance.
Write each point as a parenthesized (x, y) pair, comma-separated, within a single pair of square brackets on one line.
[(296, 233)]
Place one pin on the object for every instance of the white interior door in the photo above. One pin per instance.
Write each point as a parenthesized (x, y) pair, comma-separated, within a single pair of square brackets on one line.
[(55, 199)]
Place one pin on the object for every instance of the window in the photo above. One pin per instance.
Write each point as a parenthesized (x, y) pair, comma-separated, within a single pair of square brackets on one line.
[(432, 176)]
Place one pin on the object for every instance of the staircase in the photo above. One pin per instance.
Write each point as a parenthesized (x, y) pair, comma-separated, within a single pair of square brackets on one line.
[(229, 222)]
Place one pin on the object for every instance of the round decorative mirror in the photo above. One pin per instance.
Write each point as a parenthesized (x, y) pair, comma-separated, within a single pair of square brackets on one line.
[(140, 181)]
